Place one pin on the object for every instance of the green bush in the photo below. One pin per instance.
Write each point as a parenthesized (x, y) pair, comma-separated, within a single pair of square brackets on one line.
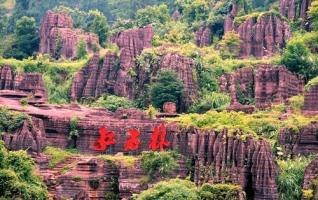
[(81, 49), (112, 102), (174, 189), (211, 101), (17, 179), (230, 45), (10, 121), (291, 177), (162, 163), (297, 102), (74, 133), (57, 155), (220, 191)]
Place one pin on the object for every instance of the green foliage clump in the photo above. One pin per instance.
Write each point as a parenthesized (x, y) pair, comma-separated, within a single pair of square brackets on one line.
[(17, 179), (57, 155), (159, 163), (230, 45), (311, 83), (171, 190), (152, 15), (112, 103), (297, 102), (211, 101), (291, 177), (220, 191), (167, 88), (313, 13), (26, 39), (81, 49), (10, 121), (74, 133)]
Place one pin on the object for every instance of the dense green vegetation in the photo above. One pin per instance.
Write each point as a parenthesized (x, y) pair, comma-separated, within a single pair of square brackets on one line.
[(10, 121), (17, 178)]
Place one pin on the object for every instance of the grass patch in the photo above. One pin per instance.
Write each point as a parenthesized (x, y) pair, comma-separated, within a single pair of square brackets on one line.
[(128, 161), (57, 156)]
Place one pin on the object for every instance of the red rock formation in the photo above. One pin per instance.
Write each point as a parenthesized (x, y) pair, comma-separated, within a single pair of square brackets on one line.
[(263, 36), (170, 108), (287, 8), (268, 84), (305, 142), (203, 37), (29, 85), (305, 5), (229, 20), (311, 101), (275, 85), (58, 27)]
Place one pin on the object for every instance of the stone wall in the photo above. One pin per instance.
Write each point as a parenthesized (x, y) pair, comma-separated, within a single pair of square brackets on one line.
[(57, 29)]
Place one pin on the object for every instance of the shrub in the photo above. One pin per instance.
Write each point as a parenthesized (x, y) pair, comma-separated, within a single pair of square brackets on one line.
[(291, 177), (10, 121), (112, 103), (220, 191), (81, 49), (57, 156), (167, 88), (74, 133), (211, 101), (230, 45), (297, 102), (171, 190), (162, 163)]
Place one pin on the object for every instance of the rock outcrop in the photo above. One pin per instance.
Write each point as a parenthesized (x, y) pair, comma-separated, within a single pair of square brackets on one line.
[(229, 20), (311, 101), (310, 179), (28, 85), (266, 86), (249, 162), (203, 37), (58, 37), (293, 9), (263, 36)]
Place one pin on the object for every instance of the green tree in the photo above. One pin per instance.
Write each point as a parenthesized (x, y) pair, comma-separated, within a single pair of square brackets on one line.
[(97, 23), (167, 88), (153, 14), (26, 39), (313, 13), (230, 45), (298, 59), (81, 49)]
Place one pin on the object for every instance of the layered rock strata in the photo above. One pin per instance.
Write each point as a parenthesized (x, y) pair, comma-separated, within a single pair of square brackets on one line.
[(27, 85), (58, 37), (266, 85), (263, 36), (310, 179), (311, 101), (216, 156)]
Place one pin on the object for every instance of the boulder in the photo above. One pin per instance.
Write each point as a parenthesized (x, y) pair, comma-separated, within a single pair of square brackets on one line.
[(57, 29)]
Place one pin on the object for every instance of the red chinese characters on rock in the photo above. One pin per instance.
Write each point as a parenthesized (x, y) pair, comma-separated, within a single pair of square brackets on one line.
[(158, 139), (106, 139), (133, 142), (157, 142)]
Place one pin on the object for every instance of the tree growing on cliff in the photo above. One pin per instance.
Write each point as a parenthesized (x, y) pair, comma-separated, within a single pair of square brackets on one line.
[(230, 45), (26, 39), (153, 14), (97, 23), (81, 49), (167, 88)]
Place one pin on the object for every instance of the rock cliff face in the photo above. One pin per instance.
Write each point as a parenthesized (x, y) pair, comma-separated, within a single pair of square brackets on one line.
[(305, 142), (311, 175), (249, 162), (311, 101), (295, 9), (58, 36), (108, 76), (263, 36), (203, 37), (229, 20), (266, 85), (28, 85)]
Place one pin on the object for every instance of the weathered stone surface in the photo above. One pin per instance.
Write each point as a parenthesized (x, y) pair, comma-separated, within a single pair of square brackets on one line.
[(58, 28), (229, 20), (305, 5), (263, 36), (203, 37), (267, 85), (170, 108), (29, 137), (293, 9), (305, 142), (29, 85), (311, 101), (287, 8)]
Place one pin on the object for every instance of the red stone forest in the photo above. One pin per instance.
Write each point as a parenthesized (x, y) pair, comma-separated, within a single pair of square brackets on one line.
[(159, 100)]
